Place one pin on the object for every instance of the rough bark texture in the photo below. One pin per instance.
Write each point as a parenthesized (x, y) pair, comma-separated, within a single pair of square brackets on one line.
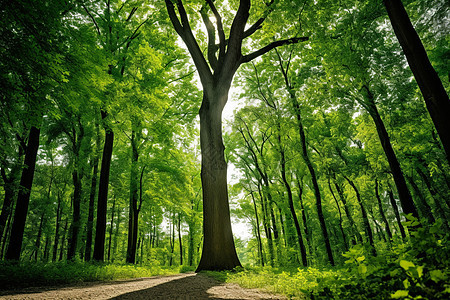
[(100, 230), (434, 94), (23, 199), (219, 252)]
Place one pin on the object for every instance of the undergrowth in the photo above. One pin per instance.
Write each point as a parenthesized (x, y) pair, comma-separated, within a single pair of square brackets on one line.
[(416, 269), (25, 274)]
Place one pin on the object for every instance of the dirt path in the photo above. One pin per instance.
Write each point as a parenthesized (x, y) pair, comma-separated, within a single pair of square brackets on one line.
[(180, 286)]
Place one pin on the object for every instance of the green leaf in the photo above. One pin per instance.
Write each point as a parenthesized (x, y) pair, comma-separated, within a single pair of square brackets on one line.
[(406, 283), (400, 294), (437, 275), (361, 258), (406, 264), (362, 269)]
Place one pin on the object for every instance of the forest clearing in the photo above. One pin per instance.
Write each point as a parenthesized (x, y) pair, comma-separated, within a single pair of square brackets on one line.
[(225, 149)]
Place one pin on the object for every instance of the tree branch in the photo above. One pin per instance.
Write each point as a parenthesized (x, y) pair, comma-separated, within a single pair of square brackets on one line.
[(92, 18), (184, 31), (220, 31), (258, 53), (212, 48), (258, 23)]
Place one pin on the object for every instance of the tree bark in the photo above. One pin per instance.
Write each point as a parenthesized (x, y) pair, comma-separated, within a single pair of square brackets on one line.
[(258, 233), (23, 199), (397, 213), (75, 227), (90, 220), (434, 94), (133, 205), (366, 223), (111, 229), (340, 216), (380, 208), (100, 230), (58, 219), (312, 172), (291, 206), (219, 251), (406, 200)]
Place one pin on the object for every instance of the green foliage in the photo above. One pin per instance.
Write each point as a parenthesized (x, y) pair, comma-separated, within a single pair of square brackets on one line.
[(13, 275)]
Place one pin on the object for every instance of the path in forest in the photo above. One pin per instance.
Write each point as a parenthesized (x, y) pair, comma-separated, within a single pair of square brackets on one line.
[(181, 286)]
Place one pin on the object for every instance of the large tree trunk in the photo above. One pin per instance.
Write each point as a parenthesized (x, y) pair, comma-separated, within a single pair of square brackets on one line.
[(400, 182), (434, 94), (23, 199), (100, 229), (219, 252)]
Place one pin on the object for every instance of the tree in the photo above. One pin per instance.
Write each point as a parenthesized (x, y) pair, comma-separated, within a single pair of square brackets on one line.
[(434, 93), (216, 77)]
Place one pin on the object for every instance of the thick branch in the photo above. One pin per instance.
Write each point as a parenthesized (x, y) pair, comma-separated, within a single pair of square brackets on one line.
[(220, 31), (237, 29), (212, 48), (258, 53), (184, 31)]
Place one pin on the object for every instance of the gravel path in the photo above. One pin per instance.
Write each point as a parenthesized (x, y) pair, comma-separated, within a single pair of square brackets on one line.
[(181, 286)]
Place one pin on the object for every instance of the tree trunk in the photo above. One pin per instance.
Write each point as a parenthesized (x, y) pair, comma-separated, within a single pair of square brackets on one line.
[(219, 251), (266, 224), (75, 227), (397, 213), (435, 196), (340, 216), (10, 187), (424, 206), (23, 199), (402, 189), (58, 219), (111, 228), (380, 208), (133, 210), (61, 250), (291, 206), (434, 94), (90, 220), (37, 243), (348, 213), (100, 230), (258, 233), (305, 156), (366, 223), (179, 239)]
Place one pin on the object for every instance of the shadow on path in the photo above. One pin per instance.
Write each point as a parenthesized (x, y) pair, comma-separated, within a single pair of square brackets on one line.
[(191, 287)]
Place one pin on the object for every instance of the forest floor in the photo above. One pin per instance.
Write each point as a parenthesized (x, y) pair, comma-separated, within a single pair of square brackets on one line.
[(181, 286)]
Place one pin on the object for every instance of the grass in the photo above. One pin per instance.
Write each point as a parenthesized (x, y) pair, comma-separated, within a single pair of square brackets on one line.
[(25, 274)]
